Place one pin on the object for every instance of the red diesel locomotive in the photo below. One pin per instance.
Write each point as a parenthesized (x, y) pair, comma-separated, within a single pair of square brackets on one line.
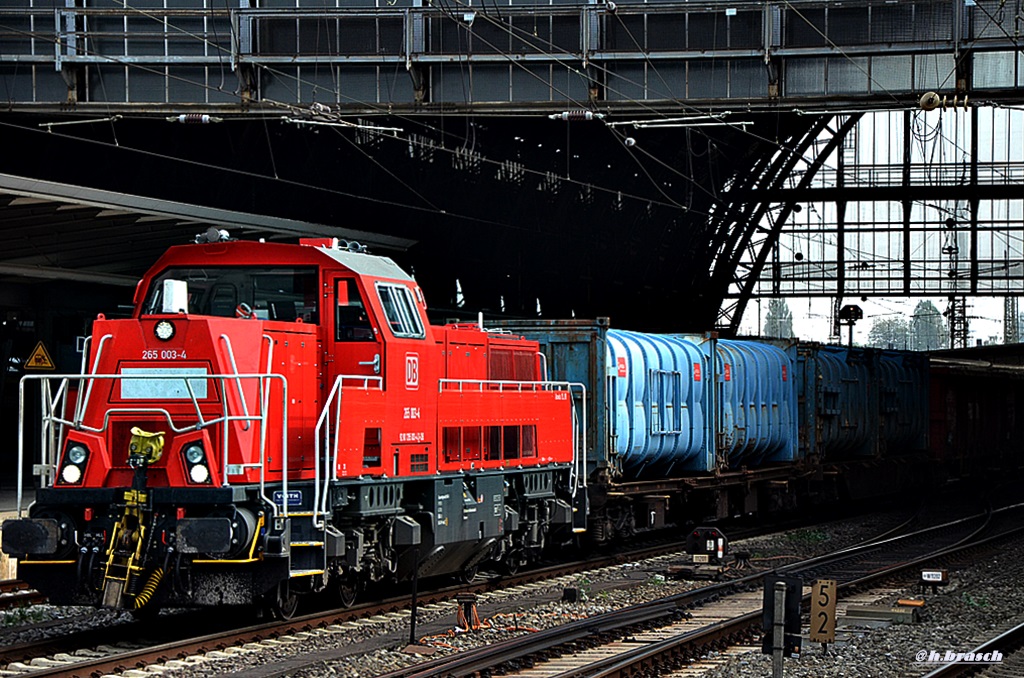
[(282, 419)]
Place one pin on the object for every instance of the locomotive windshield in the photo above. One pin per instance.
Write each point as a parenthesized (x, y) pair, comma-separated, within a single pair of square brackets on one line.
[(273, 292)]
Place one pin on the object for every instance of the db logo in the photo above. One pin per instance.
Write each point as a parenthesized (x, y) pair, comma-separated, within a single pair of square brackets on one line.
[(412, 370)]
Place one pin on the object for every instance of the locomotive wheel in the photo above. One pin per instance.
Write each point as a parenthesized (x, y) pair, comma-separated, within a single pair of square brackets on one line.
[(348, 590), (283, 605)]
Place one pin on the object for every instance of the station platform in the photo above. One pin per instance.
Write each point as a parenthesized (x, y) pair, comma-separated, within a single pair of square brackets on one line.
[(9, 500), (9, 509)]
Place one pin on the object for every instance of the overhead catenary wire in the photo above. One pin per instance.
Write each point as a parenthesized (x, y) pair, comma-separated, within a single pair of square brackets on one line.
[(448, 12), (256, 175), (533, 40), (442, 148), (537, 43), (540, 43), (511, 31), (294, 108)]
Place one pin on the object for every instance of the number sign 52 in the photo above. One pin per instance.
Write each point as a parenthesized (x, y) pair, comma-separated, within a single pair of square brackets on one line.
[(823, 611)]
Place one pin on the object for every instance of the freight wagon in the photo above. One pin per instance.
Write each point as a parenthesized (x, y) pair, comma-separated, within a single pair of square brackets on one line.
[(686, 426)]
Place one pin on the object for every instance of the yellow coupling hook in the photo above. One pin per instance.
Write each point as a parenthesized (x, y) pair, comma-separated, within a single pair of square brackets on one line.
[(148, 446)]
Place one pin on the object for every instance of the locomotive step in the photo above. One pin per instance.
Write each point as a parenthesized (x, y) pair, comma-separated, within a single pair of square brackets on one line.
[(307, 543), (305, 573)]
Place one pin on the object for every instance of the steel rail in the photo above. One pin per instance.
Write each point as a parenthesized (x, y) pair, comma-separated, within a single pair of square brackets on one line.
[(1009, 643), (474, 661), (16, 593), (686, 644), (219, 640)]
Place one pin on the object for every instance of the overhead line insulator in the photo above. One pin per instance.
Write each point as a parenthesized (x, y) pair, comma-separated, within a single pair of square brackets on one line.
[(578, 114)]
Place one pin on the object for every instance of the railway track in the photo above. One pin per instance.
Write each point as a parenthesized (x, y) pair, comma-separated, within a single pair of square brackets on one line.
[(79, 654), (1009, 645), (15, 593), (675, 630), (91, 652)]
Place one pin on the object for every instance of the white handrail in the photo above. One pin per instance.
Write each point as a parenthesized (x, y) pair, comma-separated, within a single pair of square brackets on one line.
[(578, 474), (265, 390), (80, 405), (241, 396), (502, 384), (323, 432), (578, 470), (53, 419), (321, 421)]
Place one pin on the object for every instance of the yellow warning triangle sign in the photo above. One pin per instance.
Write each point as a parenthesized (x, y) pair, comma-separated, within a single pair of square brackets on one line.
[(40, 359)]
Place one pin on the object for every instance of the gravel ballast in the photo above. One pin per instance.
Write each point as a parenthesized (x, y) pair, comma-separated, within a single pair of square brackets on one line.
[(980, 600)]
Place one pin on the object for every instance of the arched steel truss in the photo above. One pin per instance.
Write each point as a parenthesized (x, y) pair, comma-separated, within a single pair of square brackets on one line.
[(739, 233), (908, 203)]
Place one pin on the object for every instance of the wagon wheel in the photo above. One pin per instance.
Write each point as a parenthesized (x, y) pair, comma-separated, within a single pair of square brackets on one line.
[(511, 562), (468, 574)]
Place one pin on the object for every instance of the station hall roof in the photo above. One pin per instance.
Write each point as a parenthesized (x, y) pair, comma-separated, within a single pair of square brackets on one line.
[(57, 231)]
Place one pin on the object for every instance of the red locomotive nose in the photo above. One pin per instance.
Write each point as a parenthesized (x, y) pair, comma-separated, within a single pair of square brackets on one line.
[(306, 403)]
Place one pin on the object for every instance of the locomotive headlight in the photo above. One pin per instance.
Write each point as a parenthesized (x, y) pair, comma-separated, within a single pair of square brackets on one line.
[(199, 473), (194, 454), (164, 330), (77, 454), (71, 474)]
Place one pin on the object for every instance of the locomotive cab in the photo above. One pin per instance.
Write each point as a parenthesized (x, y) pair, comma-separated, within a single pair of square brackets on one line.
[(279, 419)]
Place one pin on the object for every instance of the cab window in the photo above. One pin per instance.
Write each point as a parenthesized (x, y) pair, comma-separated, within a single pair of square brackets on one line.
[(351, 321), (282, 293), (400, 310)]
